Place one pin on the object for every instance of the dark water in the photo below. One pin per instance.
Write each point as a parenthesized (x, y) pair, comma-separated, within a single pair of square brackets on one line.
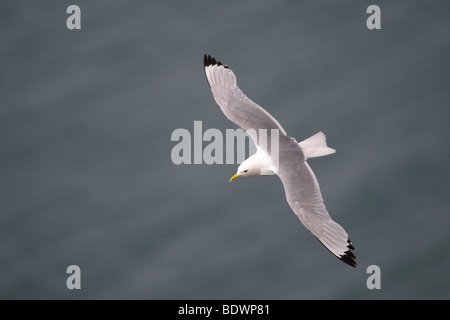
[(86, 176)]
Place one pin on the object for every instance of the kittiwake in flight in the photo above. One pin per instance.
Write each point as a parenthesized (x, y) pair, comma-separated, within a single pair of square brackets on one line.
[(300, 184)]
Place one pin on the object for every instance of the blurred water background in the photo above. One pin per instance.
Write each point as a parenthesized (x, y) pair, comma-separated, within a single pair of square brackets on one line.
[(86, 176)]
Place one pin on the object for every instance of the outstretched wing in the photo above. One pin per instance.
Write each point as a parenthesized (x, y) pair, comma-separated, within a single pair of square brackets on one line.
[(236, 106), (305, 199)]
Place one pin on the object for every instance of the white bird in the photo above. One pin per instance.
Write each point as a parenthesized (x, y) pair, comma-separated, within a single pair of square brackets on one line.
[(300, 184)]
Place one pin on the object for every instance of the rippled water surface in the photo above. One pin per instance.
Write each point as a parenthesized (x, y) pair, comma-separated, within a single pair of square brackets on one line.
[(86, 176)]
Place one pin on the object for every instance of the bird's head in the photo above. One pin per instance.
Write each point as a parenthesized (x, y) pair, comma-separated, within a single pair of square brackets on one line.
[(247, 169)]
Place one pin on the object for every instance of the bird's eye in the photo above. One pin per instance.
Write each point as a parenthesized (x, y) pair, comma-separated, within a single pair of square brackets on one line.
[(245, 170)]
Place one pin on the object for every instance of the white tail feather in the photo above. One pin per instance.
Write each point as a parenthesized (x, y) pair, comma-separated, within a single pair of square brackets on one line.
[(316, 146)]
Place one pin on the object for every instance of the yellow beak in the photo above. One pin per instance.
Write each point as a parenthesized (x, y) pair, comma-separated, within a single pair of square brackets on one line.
[(234, 177)]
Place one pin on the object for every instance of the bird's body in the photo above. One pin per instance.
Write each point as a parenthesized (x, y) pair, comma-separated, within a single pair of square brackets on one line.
[(282, 156)]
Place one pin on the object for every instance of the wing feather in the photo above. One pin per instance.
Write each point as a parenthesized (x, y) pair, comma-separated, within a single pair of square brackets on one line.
[(305, 199), (236, 106)]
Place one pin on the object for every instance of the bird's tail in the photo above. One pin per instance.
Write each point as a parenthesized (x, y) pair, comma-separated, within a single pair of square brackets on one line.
[(316, 146)]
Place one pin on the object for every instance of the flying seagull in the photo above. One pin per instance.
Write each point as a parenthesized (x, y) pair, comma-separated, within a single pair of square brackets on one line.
[(300, 184)]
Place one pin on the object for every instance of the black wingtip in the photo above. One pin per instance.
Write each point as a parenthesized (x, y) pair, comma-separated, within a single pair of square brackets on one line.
[(348, 257), (210, 61)]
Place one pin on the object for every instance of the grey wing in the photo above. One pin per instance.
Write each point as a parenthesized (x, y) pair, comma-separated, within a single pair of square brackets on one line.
[(305, 199), (236, 106)]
